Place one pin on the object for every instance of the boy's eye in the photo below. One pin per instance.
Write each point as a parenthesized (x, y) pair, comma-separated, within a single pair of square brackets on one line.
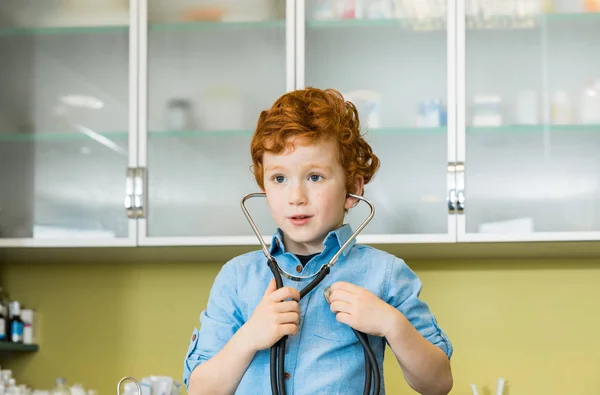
[(315, 177), (278, 179)]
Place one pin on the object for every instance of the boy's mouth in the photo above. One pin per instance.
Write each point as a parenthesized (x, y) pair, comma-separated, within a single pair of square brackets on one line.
[(299, 219)]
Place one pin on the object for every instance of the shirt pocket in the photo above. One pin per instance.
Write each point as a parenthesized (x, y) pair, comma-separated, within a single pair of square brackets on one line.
[(327, 327)]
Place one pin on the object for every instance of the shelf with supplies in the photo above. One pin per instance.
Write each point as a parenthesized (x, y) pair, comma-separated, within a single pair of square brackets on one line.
[(195, 133), (473, 23), (526, 129), (158, 26), (62, 136), (215, 25), (62, 30), (18, 347)]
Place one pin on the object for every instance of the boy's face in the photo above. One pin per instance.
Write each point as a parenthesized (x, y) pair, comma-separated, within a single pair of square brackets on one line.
[(306, 193)]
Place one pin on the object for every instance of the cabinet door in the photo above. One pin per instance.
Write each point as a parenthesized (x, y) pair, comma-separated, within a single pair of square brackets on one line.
[(64, 123), (390, 58), (212, 68), (530, 121)]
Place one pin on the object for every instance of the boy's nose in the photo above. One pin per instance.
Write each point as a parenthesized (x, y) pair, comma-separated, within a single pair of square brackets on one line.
[(297, 196)]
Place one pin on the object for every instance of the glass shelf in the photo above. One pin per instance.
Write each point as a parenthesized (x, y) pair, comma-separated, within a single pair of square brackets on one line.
[(67, 136), (166, 134), (440, 24), (523, 129), (46, 31), (217, 25), (7, 346), (200, 133)]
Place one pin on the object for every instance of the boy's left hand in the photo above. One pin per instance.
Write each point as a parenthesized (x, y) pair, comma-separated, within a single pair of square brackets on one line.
[(361, 309)]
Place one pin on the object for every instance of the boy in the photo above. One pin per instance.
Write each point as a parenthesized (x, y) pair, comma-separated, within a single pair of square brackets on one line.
[(307, 155)]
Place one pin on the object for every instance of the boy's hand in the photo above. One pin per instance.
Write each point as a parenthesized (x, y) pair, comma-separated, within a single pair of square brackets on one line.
[(272, 319), (362, 310)]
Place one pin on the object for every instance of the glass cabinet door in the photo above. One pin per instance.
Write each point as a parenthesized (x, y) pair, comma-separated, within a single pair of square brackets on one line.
[(212, 68), (532, 120), (390, 59), (64, 121)]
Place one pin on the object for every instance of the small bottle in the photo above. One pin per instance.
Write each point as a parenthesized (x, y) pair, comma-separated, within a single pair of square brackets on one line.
[(16, 324), (27, 317), (61, 387), (2, 324), (4, 301)]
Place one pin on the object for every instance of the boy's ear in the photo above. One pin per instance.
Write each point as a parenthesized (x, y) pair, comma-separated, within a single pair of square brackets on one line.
[(359, 184)]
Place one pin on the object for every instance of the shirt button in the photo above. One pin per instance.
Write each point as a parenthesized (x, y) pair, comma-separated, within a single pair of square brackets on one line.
[(299, 268), (193, 337), (286, 375)]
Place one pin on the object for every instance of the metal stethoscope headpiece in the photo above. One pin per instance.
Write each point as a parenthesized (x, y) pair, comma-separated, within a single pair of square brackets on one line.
[(332, 261)]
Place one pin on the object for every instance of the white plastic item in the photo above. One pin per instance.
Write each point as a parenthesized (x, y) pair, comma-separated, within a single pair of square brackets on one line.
[(27, 318), (487, 110), (61, 387), (88, 13), (324, 10), (368, 104), (568, 6), (527, 108), (500, 386), (375, 9), (561, 108), (223, 108), (590, 103)]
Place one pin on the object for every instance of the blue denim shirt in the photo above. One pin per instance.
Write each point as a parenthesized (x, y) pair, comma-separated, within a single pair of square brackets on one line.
[(324, 357)]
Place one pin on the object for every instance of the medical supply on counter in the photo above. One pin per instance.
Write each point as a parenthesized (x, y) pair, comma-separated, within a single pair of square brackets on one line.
[(27, 317), (61, 387), (432, 114), (527, 108), (561, 108), (486, 110), (16, 324), (2, 324)]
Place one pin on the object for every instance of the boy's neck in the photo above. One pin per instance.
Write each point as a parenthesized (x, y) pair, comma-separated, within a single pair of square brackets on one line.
[(302, 248)]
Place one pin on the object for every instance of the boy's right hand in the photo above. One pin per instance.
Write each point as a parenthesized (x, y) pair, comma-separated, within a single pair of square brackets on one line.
[(274, 317)]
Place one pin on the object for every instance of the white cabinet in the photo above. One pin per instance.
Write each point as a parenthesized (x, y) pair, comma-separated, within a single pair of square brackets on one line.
[(485, 118)]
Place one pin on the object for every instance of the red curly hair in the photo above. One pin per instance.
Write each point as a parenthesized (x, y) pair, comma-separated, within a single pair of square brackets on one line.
[(314, 114)]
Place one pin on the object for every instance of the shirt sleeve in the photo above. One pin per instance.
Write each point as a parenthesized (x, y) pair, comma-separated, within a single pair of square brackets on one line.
[(403, 292), (218, 322)]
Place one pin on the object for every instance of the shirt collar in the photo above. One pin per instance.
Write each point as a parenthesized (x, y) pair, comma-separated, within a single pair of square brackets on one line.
[(334, 240)]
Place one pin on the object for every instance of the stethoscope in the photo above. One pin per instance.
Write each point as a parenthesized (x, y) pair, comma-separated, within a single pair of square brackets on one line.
[(278, 349)]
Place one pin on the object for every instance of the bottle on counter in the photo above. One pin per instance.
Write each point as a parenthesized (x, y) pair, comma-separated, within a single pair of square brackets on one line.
[(2, 324), (27, 317), (61, 387), (4, 301), (16, 324)]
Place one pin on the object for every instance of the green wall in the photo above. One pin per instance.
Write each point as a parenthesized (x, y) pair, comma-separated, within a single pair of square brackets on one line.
[(534, 322)]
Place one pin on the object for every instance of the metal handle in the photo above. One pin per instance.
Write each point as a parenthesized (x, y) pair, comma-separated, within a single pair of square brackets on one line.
[(129, 188), (456, 188), (452, 201), (137, 384), (460, 187), (139, 196)]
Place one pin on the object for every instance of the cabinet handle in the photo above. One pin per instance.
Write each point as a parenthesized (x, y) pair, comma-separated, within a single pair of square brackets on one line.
[(452, 201), (129, 193), (139, 193), (460, 187), (460, 201)]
